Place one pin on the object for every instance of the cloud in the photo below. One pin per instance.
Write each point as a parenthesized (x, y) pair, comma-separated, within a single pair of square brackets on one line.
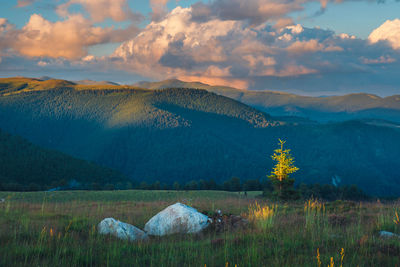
[(347, 36), (12, 66), (24, 3), (228, 52), (224, 51), (295, 29), (89, 58), (42, 63), (213, 80), (311, 46), (177, 47), (389, 32), (99, 10), (255, 12), (5, 36), (159, 9), (301, 47), (250, 44), (69, 38), (5, 26), (380, 60)]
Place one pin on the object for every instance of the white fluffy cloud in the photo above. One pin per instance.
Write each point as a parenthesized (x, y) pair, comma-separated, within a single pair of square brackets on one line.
[(170, 46), (69, 38), (388, 31), (226, 51), (229, 52), (72, 35)]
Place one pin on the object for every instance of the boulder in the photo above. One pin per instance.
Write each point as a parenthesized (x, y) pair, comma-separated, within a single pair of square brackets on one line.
[(222, 222), (386, 234), (177, 219), (110, 226)]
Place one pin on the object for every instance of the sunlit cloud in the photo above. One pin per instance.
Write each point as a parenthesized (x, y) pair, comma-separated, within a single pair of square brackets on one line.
[(76, 33), (254, 44), (24, 3), (69, 38), (229, 52), (223, 50), (213, 80), (42, 63), (388, 31), (159, 9)]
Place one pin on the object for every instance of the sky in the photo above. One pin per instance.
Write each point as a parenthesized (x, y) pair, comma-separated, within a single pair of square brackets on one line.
[(308, 47)]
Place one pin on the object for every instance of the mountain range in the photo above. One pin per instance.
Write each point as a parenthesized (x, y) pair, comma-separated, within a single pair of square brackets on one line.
[(322, 109), (179, 134), (84, 82)]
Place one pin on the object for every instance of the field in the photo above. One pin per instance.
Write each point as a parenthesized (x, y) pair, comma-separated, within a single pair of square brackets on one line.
[(59, 229)]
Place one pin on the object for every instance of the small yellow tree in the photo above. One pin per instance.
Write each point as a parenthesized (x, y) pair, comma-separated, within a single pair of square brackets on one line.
[(282, 169)]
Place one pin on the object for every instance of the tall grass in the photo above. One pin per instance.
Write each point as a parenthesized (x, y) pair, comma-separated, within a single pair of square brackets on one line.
[(64, 232), (314, 214), (262, 216), (396, 218)]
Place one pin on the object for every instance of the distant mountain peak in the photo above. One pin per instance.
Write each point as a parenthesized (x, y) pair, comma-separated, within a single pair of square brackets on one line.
[(323, 109), (45, 78), (176, 83), (173, 80), (92, 82)]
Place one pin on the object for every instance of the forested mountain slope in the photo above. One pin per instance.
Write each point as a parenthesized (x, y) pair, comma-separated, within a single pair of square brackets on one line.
[(25, 166), (324, 109), (185, 134)]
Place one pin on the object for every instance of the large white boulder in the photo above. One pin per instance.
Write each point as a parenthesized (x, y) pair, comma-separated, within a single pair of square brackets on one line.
[(176, 219), (110, 226)]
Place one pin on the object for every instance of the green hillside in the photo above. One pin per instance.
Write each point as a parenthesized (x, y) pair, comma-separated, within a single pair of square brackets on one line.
[(122, 105), (186, 134), (24, 166), (333, 108)]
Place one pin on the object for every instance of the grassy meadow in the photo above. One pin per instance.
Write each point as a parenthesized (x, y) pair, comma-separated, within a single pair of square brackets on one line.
[(59, 229)]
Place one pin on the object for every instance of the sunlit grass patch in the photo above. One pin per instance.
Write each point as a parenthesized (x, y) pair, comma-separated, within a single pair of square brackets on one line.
[(396, 218), (262, 216)]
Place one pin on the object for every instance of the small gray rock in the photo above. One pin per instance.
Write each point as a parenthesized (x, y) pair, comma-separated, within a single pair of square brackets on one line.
[(121, 230), (386, 234), (177, 219)]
